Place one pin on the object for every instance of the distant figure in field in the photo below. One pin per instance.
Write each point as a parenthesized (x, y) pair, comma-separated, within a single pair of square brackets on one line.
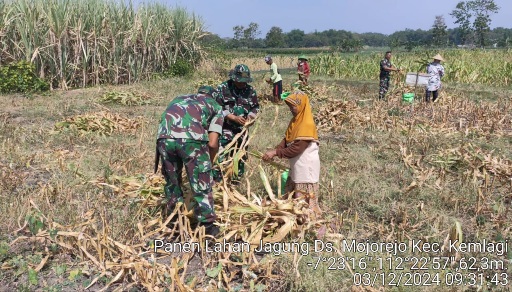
[(385, 71), (303, 69), (436, 72), (275, 79)]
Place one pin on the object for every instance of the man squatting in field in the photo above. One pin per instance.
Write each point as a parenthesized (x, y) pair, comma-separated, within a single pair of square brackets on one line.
[(239, 104), (385, 70), (188, 135)]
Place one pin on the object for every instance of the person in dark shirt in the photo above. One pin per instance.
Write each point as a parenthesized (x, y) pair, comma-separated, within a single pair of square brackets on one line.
[(385, 70)]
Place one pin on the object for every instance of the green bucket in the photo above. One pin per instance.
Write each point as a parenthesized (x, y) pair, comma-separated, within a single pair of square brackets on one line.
[(408, 97), (284, 95), (284, 178)]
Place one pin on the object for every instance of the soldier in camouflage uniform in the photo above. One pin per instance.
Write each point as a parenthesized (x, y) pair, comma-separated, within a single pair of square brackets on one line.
[(188, 136), (385, 71), (239, 104)]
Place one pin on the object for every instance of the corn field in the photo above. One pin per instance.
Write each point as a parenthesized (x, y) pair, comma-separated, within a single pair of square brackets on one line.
[(391, 172), (462, 66), (77, 43)]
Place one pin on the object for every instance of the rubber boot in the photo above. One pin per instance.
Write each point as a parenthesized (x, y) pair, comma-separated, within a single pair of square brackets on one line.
[(211, 229)]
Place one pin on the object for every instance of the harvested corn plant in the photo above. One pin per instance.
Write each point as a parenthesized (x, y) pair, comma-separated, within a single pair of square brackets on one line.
[(124, 98), (84, 211), (246, 220), (102, 123)]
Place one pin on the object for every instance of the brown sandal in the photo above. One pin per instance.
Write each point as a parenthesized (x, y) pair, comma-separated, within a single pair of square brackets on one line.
[(313, 204)]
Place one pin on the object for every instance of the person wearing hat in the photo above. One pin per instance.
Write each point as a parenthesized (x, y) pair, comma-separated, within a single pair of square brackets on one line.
[(274, 79), (303, 69), (239, 103), (188, 136), (435, 71)]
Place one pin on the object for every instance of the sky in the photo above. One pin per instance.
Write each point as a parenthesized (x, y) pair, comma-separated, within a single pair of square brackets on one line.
[(220, 16)]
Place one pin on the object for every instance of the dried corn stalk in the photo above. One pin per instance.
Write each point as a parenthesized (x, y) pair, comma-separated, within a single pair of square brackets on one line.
[(103, 123), (124, 98)]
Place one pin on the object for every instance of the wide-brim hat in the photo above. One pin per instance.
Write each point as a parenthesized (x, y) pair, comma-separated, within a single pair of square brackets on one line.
[(303, 57), (438, 57)]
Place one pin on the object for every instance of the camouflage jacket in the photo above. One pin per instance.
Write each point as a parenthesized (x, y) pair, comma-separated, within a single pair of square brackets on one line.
[(384, 63), (191, 117), (240, 102)]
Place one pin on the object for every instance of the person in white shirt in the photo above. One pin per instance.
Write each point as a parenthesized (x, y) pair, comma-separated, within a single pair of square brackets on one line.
[(274, 79), (436, 71)]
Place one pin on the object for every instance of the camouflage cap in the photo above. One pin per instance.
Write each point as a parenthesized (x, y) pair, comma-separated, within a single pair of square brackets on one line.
[(241, 73), (206, 89)]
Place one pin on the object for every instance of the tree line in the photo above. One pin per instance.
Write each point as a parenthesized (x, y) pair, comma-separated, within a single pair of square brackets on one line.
[(472, 17)]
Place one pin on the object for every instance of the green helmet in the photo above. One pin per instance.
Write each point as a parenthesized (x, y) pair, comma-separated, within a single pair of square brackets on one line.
[(303, 57), (206, 89), (241, 73)]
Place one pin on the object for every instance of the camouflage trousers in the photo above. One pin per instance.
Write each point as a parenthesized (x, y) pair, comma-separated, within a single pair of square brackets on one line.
[(195, 156), (223, 142), (383, 87)]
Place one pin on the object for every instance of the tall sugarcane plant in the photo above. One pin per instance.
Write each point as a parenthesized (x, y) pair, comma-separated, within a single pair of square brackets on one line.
[(77, 43)]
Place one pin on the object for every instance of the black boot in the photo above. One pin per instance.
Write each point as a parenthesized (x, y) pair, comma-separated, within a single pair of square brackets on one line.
[(210, 229)]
